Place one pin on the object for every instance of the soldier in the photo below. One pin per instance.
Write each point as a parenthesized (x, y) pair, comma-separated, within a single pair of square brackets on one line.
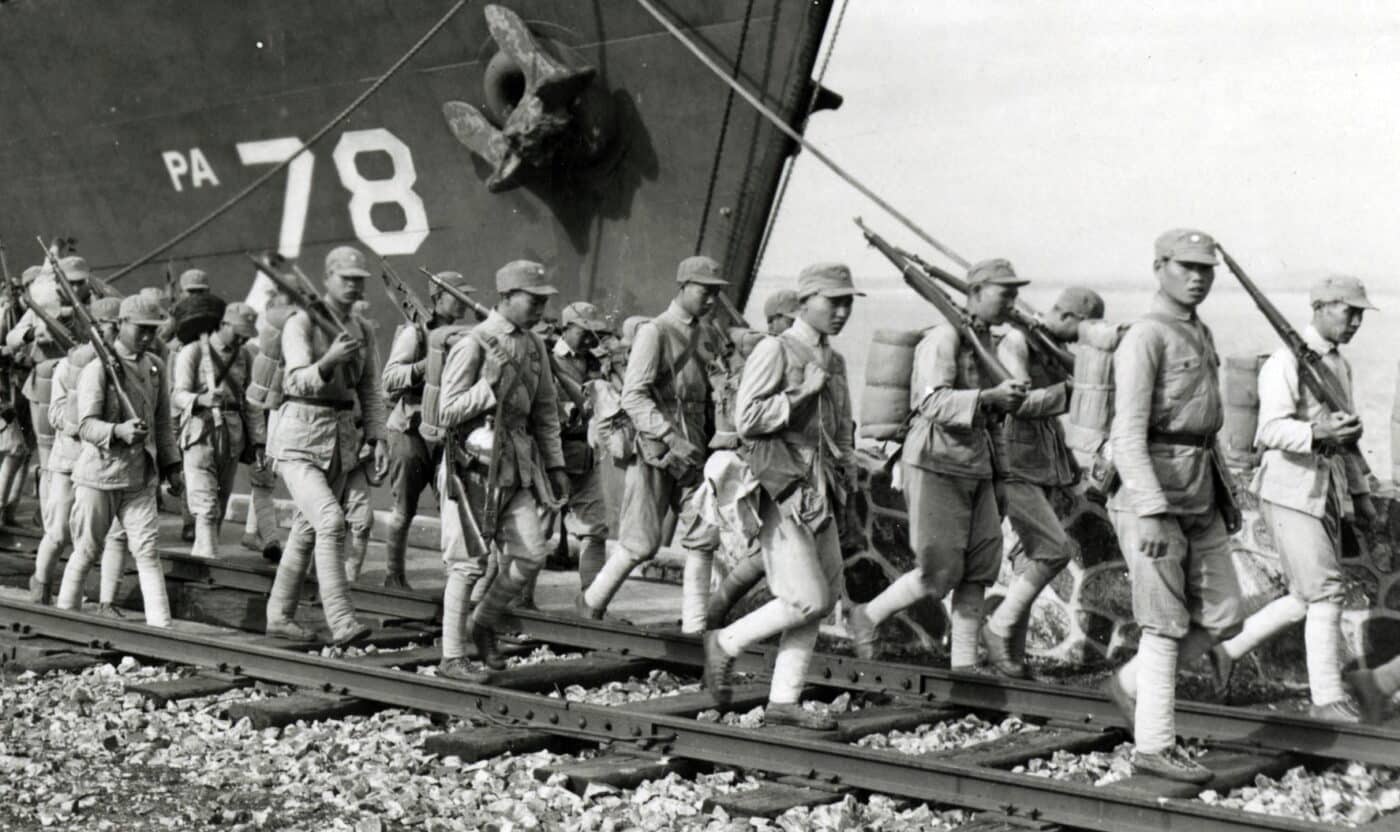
[(122, 461), (333, 404), (1174, 512), (260, 525), (1037, 464), (953, 472), (359, 483), (794, 411), (410, 460), (210, 377), (584, 327), (779, 310), (667, 396), (62, 414), (496, 383), (1306, 488)]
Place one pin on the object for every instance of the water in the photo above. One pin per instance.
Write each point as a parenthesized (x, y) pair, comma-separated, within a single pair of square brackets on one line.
[(1238, 326)]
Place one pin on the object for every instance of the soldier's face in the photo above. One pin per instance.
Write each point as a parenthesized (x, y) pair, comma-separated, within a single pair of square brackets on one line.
[(698, 299), (346, 289), (1063, 324), (229, 336), (523, 308), (137, 337), (827, 315), (778, 324), (1338, 321), (449, 307), (991, 302), (1186, 283)]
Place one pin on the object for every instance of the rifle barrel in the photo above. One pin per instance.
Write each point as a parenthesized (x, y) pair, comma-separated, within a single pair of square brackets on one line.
[(471, 303)]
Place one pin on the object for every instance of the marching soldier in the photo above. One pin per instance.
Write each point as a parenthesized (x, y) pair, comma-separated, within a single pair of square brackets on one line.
[(1037, 463), (584, 327), (667, 396), (794, 411), (1174, 511), (333, 404), (360, 482), (260, 530), (499, 400), (210, 377), (121, 462), (410, 460), (953, 472), (1306, 489), (779, 310)]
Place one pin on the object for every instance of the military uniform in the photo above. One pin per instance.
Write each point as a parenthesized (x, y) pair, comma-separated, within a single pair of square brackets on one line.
[(1305, 491), (212, 439), (666, 394), (1167, 411), (814, 439), (315, 440), (511, 401), (587, 517), (260, 529), (116, 482)]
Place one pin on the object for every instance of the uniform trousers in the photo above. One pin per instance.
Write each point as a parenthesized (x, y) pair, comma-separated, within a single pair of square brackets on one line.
[(359, 518), (95, 511), (410, 473), (262, 507), (318, 494), (587, 521), (209, 472), (58, 506), (1193, 584), (954, 529)]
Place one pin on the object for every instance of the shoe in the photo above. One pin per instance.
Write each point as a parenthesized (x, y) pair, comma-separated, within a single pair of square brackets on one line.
[(110, 611), (1126, 703), (1171, 764), (457, 668), (1222, 670), (794, 715), (272, 552), (582, 609), (1341, 711), (251, 542), (39, 592), (396, 580), (487, 651), (187, 532), (289, 629), (719, 668), (1374, 701), (1001, 656), (351, 634), (862, 631)]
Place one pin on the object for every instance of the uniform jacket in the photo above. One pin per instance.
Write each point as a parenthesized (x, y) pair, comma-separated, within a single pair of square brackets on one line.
[(352, 400), (1035, 440), (62, 413), (661, 397), (530, 416), (573, 426), (951, 432), (192, 371), (1291, 472), (104, 462), (1166, 380)]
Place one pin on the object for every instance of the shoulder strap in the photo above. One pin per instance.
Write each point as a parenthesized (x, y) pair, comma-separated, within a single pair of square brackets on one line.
[(1202, 342)]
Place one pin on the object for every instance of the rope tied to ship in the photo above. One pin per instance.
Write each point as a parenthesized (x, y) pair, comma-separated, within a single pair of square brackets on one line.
[(277, 169)]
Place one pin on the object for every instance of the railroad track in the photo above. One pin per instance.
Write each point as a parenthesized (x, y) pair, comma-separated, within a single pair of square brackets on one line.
[(1242, 743)]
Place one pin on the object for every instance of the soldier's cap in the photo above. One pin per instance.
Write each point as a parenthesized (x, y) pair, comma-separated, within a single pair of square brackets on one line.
[(455, 280), (994, 272), (1186, 245), (781, 302), (346, 261), (30, 275), (700, 269), (1086, 303), (154, 295), (830, 280), (141, 310), (1341, 288), (107, 310), (524, 276), (587, 316), (194, 279), (75, 269), (243, 318)]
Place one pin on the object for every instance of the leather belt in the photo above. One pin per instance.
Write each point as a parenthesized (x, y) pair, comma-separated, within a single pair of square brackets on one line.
[(226, 409), (1190, 440), (331, 404)]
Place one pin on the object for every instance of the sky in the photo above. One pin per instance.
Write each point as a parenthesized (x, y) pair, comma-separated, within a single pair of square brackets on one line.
[(1065, 136)]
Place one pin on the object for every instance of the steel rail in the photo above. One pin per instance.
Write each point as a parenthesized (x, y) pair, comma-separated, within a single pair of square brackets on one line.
[(888, 772), (1263, 730)]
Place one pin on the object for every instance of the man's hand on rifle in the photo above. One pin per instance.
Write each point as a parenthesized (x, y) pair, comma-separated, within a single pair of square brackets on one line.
[(214, 398), (559, 481), (1337, 429), (683, 450), (1005, 397), (341, 350), (130, 432)]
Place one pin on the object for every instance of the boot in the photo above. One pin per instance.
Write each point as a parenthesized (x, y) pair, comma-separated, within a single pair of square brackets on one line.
[(1340, 711), (289, 629), (1001, 655), (794, 715), (488, 652), (457, 668), (502, 591), (205, 539), (110, 611), (719, 670), (351, 634), (1171, 764), (40, 592)]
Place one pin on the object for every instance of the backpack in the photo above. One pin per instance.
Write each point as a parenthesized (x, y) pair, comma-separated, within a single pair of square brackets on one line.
[(889, 368), (265, 379), (440, 342)]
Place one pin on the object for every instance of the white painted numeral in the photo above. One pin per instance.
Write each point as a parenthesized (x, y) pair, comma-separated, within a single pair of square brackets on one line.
[(298, 194), (366, 193)]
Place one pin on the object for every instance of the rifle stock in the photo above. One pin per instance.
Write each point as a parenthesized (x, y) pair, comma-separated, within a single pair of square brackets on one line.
[(472, 538), (414, 311), (929, 291)]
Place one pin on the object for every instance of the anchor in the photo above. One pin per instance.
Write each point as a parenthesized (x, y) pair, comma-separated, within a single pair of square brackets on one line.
[(541, 123)]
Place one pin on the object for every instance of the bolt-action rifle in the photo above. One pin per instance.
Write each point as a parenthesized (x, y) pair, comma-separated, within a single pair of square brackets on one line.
[(415, 312), (110, 364), (302, 293), (1312, 372), (929, 291)]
